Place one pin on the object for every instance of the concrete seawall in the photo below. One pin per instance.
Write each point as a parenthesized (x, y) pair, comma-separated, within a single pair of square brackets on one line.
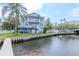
[(24, 39), (6, 49)]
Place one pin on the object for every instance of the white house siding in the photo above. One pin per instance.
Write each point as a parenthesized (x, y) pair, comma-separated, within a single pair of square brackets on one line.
[(34, 23), (33, 31)]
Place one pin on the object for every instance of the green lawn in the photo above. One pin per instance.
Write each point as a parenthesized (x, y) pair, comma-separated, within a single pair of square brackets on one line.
[(7, 35)]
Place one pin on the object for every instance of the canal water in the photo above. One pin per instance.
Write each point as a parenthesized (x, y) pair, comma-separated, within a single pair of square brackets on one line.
[(51, 46)]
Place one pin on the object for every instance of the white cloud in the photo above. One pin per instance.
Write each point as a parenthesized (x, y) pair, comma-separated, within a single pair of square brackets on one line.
[(45, 1), (74, 12), (33, 5), (0, 11)]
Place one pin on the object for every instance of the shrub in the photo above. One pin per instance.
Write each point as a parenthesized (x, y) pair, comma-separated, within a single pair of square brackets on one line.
[(45, 29)]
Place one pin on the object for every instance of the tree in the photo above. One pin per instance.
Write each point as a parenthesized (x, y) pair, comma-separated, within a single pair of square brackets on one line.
[(16, 10), (45, 29), (8, 24), (48, 25)]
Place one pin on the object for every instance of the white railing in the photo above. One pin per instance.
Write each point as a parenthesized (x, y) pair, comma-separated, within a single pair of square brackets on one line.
[(5, 31)]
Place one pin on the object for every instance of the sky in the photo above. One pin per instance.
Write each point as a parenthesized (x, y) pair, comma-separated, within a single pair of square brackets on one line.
[(55, 11), (58, 11)]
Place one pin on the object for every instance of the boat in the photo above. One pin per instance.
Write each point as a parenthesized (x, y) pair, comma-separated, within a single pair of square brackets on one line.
[(76, 31)]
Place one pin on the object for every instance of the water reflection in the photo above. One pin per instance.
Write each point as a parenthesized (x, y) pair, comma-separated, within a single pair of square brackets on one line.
[(51, 46)]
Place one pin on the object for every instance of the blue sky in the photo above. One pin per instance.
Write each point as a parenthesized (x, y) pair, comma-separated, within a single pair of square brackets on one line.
[(56, 11)]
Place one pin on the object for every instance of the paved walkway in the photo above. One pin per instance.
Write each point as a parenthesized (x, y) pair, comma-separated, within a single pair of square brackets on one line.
[(6, 49)]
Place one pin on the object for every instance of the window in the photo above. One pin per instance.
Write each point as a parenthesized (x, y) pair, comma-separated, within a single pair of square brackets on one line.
[(34, 17)]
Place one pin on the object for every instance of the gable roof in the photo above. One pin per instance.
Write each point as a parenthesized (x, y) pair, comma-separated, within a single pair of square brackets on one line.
[(33, 14)]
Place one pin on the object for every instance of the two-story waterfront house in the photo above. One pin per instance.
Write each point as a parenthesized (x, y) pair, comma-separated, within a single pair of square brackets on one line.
[(33, 24)]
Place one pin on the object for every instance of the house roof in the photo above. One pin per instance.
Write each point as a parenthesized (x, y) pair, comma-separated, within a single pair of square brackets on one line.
[(36, 15), (33, 14)]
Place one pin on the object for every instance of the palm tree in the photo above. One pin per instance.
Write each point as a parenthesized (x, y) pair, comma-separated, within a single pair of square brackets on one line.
[(15, 10)]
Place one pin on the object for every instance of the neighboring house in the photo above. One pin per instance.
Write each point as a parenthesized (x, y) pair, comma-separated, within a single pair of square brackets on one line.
[(33, 24)]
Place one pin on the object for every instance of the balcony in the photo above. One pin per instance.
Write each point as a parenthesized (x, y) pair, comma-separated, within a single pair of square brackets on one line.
[(27, 26)]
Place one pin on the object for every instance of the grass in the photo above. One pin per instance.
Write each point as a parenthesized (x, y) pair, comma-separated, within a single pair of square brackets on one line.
[(8, 35)]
